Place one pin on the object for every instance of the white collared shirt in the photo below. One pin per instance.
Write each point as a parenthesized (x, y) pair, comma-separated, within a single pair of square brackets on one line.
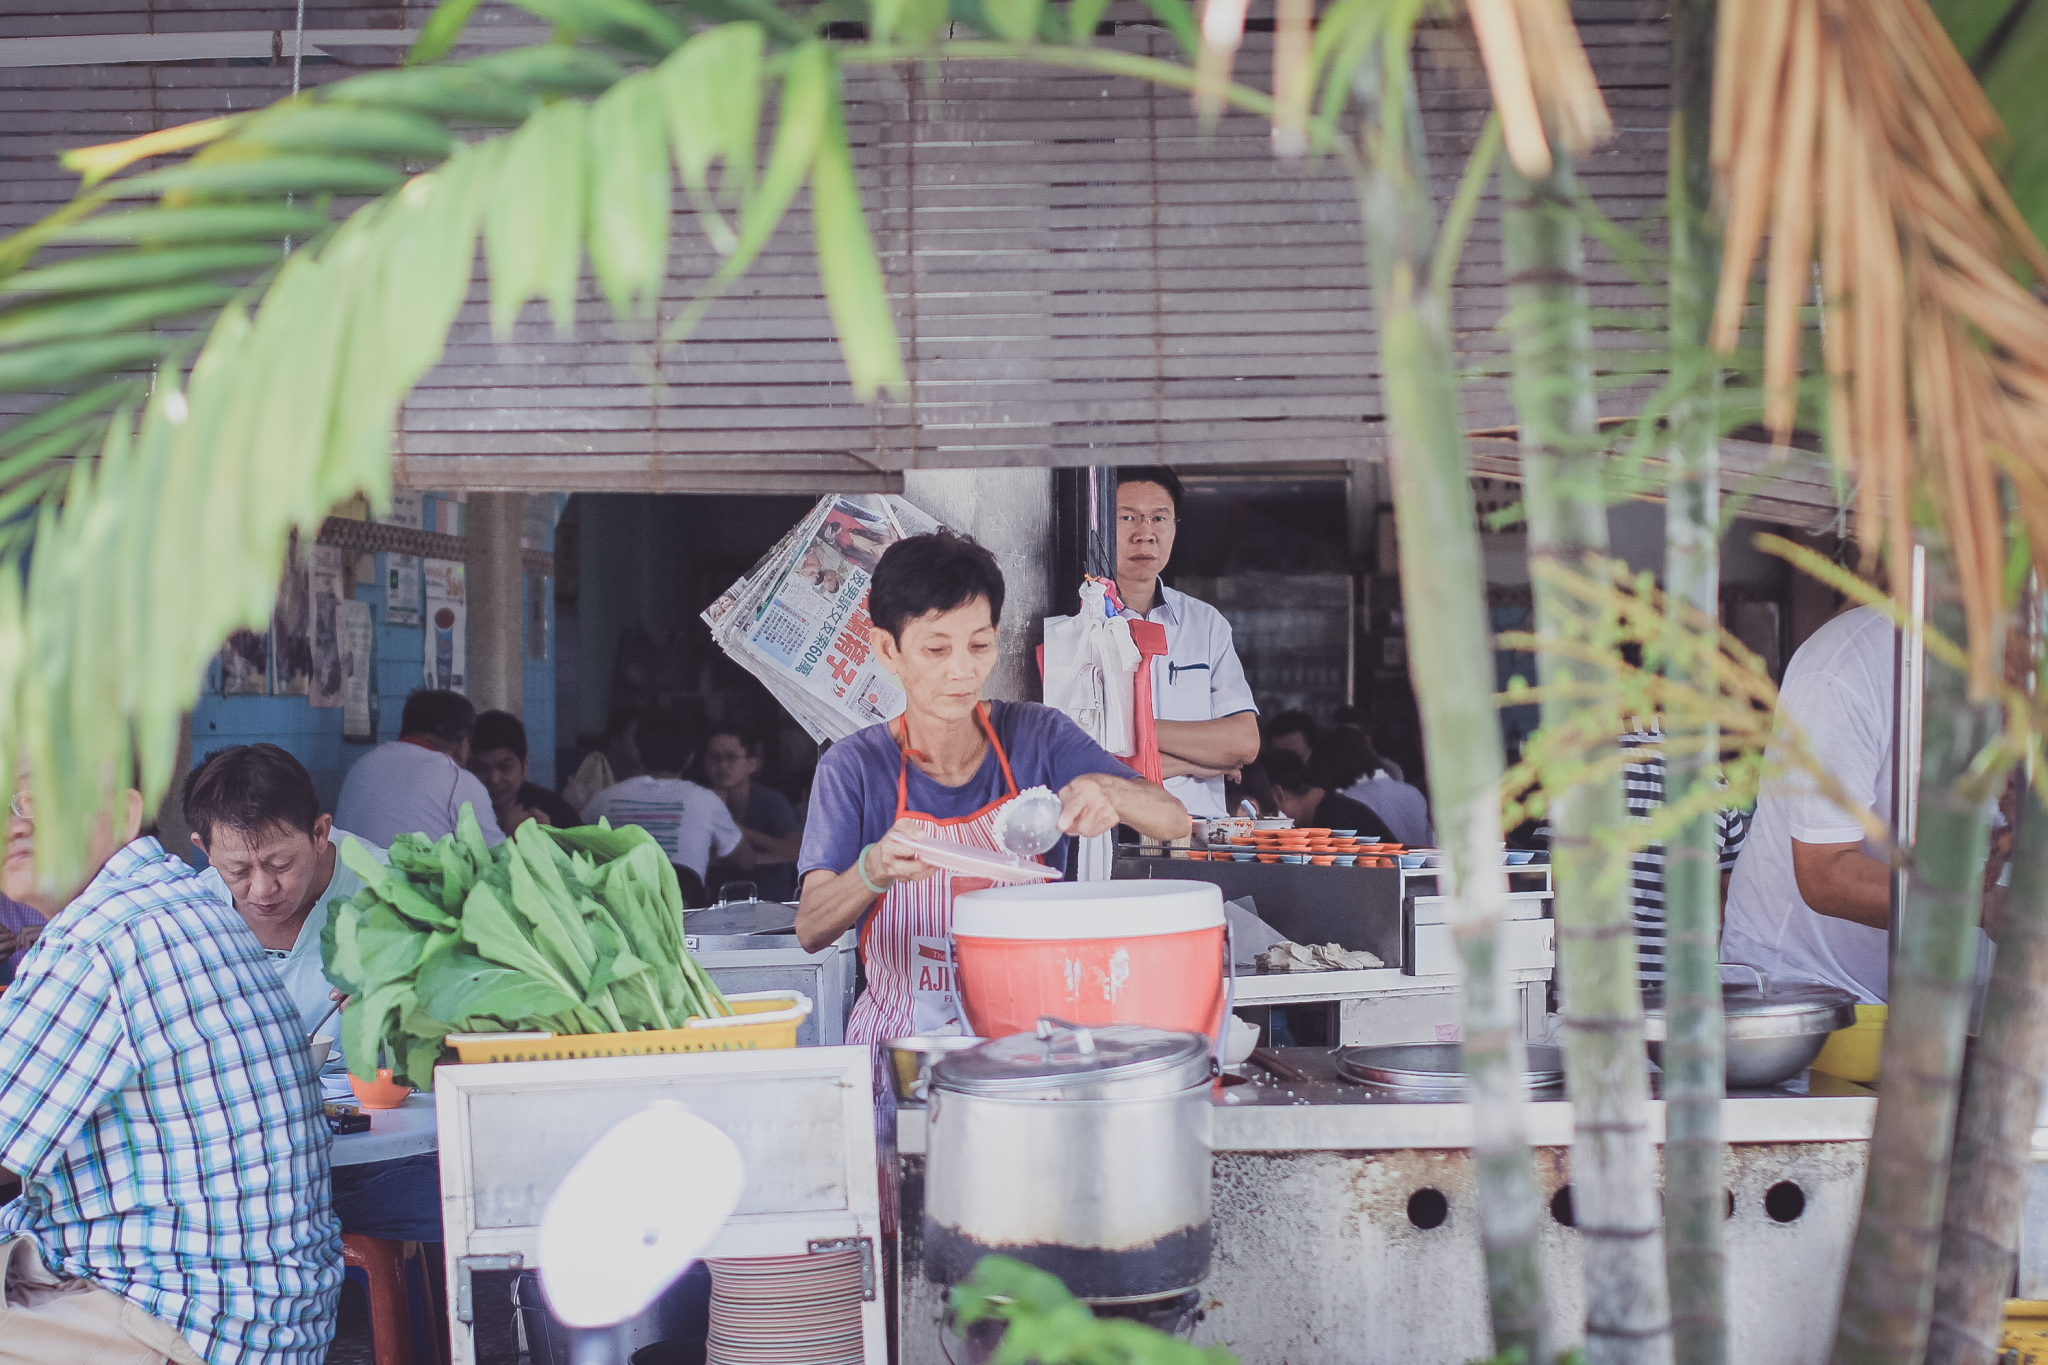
[(1199, 678)]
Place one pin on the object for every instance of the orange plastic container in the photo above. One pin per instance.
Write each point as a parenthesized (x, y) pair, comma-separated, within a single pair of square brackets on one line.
[(1132, 952)]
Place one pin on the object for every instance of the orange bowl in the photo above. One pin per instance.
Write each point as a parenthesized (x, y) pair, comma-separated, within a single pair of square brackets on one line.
[(1269, 857), (382, 1093), (1323, 860), (1244, 839), (1198, 855)]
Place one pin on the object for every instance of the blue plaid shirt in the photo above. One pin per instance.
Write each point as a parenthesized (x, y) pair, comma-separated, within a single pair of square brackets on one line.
[(158, 1100)]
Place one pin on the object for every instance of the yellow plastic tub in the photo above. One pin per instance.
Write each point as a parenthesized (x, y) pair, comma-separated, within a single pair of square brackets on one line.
[(1852, 1053), (760, 1020)]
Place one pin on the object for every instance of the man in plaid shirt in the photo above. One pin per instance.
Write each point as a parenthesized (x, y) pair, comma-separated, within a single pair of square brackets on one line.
[(157, 1098)]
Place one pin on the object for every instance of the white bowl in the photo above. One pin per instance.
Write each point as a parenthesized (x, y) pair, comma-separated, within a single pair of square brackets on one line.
[(1238, 1046), (319, 1047)]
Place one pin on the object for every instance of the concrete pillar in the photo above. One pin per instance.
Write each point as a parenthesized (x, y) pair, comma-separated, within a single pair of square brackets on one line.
[(1011, 512), (497, 618)]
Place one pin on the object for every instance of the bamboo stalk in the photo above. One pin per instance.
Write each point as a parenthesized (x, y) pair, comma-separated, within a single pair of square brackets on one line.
[(1980, 1231), (1888, 1298), (1694, 1155), (1614, 1180), (1450, 652)]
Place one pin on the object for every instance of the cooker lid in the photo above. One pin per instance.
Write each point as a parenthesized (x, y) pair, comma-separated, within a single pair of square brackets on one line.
[(1058, 1053), (1138, 908)]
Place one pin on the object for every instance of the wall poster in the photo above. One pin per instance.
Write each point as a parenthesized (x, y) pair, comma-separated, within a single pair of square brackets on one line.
[(401, 590), (447, 624), (329, 589), (245, 664), (358, 673), (291, 626)]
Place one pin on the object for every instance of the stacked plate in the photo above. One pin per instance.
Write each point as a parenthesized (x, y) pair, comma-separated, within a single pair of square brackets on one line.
[(786, 1310)]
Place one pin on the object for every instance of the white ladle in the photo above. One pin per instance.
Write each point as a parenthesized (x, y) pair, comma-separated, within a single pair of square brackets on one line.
[(629, 1218), (1029, 823)]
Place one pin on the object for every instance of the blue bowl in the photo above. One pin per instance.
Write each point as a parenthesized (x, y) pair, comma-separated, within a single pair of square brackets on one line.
[(1368, 838), (1519, 857), (1344, 833), (1412, 861), (1242, 856), (1297, 859), (1344, 860)]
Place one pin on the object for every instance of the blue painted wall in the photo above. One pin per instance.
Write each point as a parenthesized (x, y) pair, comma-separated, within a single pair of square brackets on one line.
[(313, 734)]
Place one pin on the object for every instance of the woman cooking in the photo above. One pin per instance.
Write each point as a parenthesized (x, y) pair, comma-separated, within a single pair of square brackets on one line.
[(942, 768)]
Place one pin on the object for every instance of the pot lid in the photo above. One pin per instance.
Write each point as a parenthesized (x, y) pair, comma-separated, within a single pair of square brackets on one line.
[(1763, 1007), (1438, 1068), (1060, 1053)]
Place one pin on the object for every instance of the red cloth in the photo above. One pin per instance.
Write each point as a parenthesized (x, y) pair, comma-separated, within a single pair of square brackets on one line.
[(1150, 638)]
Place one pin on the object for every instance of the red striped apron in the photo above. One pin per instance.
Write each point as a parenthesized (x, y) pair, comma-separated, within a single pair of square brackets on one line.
[(906, 942)]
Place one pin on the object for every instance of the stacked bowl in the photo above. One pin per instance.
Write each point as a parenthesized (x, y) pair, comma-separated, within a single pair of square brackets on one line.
[(786, 1310)]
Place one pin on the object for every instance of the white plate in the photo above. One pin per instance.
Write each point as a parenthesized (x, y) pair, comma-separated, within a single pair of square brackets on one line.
[(967, 861)]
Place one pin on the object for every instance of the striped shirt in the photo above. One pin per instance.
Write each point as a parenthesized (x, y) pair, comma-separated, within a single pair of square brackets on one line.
[(690, 821), (1643, 787), (157, 1097)]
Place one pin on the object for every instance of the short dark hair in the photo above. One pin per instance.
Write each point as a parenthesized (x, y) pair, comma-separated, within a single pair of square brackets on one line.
[(750, 744), (1293, 723), (1353, 716), (1343, 756), (250, 788), (444, 715), (939, 572), (1287, 771), (499, 730), (667, 739), (1152, 473)]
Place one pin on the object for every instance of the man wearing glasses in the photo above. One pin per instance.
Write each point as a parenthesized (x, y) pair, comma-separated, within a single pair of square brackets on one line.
[(1208, 723)]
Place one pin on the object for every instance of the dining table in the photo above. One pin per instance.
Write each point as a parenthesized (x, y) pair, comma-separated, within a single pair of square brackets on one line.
[(407, 1130)]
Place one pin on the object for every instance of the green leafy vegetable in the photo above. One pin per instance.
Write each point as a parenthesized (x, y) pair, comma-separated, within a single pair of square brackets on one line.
[(567, 930)]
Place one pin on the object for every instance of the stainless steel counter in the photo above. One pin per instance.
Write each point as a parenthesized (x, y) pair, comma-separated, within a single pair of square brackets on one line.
[(1258, 1112)]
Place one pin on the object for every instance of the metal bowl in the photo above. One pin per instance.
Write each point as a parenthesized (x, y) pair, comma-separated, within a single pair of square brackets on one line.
[(911, 1061), (1435, 1071), (1774, 1030)]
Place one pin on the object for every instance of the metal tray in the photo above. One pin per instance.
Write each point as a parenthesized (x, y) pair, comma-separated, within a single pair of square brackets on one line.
[(1436, 1069)]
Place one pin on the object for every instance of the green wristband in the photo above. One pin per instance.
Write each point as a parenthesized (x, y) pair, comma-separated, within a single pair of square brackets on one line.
[(860, 865)]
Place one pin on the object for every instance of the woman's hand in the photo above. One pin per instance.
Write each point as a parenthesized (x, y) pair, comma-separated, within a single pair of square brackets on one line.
[(891, 861), (1086, 806)]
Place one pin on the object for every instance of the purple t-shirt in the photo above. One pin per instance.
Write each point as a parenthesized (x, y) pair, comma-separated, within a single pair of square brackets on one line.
[(853, 798)]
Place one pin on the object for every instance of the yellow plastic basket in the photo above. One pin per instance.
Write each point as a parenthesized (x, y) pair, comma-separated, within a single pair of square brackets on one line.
[(1852, 1053), (760, 1019)]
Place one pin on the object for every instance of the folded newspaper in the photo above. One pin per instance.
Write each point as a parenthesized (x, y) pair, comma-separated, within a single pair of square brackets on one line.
[(798, 620)]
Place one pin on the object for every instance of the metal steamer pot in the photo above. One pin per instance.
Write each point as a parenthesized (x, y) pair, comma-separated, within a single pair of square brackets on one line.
[(1084, 1152), (1774, 1030)]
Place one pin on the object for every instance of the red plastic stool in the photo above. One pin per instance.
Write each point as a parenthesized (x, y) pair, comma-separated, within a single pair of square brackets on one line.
[(382, 1263)]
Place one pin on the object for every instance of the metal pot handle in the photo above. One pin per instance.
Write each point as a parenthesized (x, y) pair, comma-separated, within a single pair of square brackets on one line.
[(1763, 980), (1050, 1024)]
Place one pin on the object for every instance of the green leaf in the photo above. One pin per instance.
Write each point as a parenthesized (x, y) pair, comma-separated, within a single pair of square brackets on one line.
[(106, 313), (457, 92), (852, 275), (265, 176), (1014, 20), (630, 194), (438, 34), (533, 224), (69, 413), (341, 964), (463, 986), (489, 924), (1082, 18), (553, 69), (711, 90), (332, 128), (1179, 21), (627, 24), (136, 269), (213, 224), (363, 1026), (42, 367)]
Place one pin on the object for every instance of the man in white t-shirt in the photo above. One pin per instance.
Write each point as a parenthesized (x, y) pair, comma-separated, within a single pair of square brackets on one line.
[(690, 821), (1208, 724), (418, 783), (1810, 898)]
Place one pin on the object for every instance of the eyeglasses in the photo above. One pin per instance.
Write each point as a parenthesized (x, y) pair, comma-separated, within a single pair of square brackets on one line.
[(22, 806), (1131, 520)]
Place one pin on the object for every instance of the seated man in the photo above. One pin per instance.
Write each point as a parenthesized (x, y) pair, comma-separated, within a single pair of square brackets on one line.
[(1309, 798), (497, 755), (157, 1097), (417, 783), (272, 855), (770, 835), (686, 819)]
